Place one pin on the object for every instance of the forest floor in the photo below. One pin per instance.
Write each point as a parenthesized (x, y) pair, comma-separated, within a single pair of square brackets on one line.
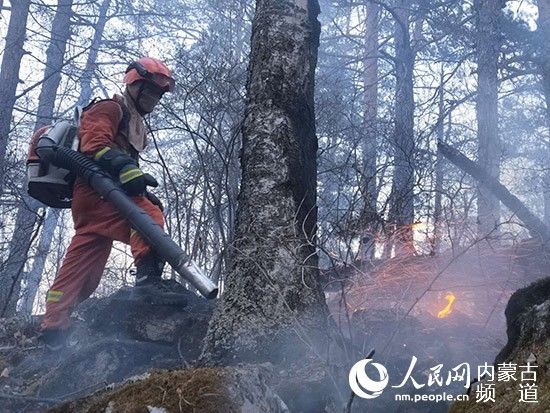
[(391, 307), (528, 315)]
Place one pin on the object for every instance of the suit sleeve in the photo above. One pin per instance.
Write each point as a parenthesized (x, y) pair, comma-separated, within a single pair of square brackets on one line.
[(99, 126)]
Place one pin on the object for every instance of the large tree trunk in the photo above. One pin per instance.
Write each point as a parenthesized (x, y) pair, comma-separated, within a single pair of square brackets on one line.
[(535, 226), (487, 50), (370, 118), (10, 282), (404, 148), (544, 35), (272, 298), (9, 73), (34, 276)]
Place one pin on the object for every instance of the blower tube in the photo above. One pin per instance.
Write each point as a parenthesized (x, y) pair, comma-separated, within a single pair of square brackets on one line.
[(152, 233)]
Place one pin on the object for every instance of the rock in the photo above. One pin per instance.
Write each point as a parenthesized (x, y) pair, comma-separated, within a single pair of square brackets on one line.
[(525, 304), (81, 371), (126, 315), (528, 328), (112, 339), (121, 338)]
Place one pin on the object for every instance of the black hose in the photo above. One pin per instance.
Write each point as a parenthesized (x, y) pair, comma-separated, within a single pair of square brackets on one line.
[(66, 158), (106, 187)]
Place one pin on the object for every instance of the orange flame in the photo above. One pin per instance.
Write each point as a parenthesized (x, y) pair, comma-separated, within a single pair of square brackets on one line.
[(449, 307)]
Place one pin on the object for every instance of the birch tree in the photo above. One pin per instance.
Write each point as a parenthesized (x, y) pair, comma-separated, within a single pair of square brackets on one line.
[(488, 41), (27, 214), (9, 73), (272, 292), (33, 278)]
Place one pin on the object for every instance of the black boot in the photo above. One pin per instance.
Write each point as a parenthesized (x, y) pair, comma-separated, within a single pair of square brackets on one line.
[(54, 339), (151, 288), (149, 270)]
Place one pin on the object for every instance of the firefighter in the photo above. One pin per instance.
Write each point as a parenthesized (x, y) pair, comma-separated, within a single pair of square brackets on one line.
[(111, 131)]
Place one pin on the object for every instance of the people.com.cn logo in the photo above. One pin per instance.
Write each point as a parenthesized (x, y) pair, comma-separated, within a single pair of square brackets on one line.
[(362, 385)]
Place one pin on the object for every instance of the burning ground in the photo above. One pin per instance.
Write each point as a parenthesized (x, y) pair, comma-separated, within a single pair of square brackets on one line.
[(442, 310)]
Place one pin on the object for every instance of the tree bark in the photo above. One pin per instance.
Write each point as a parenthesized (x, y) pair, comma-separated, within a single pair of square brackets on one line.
[(536, 227), (9, 73), (487, 49), (10, 282), (404, 147), (273, 302), (370, 118)]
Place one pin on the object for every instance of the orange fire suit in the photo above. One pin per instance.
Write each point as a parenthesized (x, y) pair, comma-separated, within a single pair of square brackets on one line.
[(96, 222)]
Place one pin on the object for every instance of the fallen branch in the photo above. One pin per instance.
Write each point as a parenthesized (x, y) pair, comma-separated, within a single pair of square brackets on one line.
[(536, 227), (9, 348)]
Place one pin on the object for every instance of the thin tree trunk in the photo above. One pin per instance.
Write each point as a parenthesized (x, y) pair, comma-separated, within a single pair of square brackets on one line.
[(438, 187), (28, 211), (544, 35), (370, 118), (9, 73), (544, 27), (89, 70), (233, 169), (546, 186), (34, 276), (536, 227), (61, 32), (272, 297), (487, 49), (404, 147), (13, 267)]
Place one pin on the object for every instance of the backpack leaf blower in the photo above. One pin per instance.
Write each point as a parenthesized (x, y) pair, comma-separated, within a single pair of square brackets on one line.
[(51, 153)]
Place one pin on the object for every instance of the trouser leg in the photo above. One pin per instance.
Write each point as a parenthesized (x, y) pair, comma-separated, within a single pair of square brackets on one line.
[(77, 279), (112, 225), (137, 245)]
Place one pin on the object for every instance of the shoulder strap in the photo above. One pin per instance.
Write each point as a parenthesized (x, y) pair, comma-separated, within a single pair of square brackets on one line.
[(92, 103), (125, 121), (77, 115)]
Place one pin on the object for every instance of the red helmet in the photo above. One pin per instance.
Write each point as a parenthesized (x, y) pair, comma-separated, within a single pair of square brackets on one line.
[(151, 70)]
